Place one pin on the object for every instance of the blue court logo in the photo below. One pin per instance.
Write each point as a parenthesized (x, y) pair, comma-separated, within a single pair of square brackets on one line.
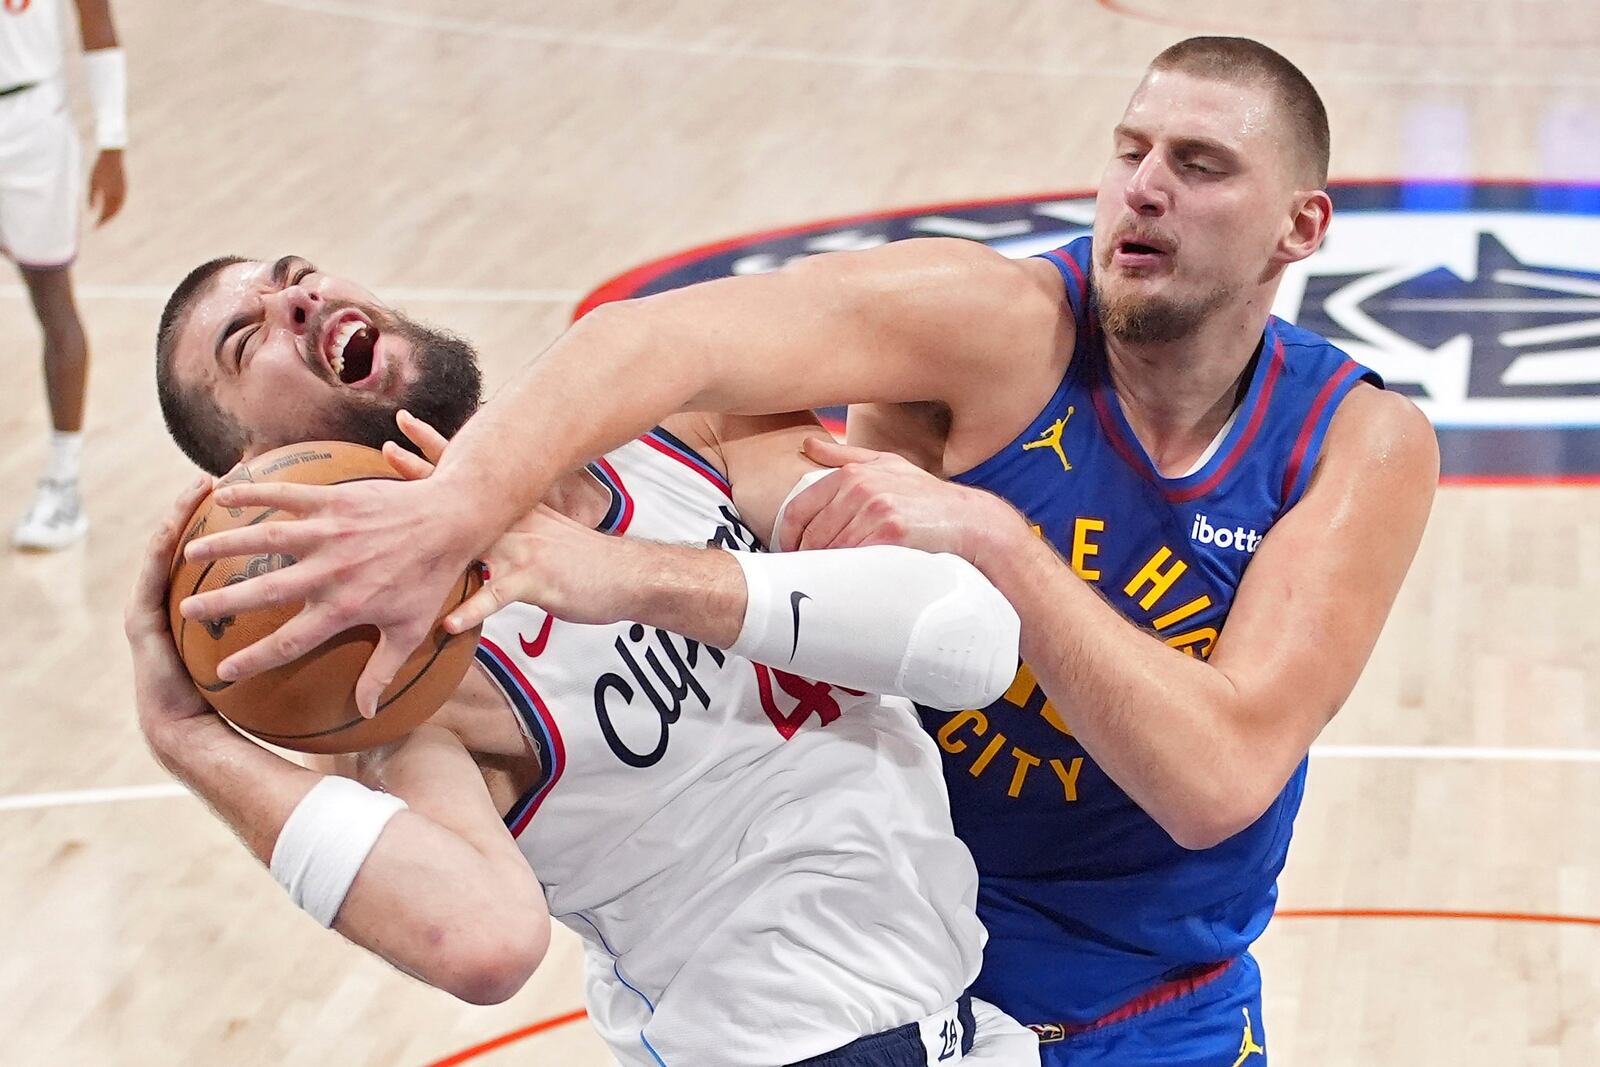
[(1479, 300)]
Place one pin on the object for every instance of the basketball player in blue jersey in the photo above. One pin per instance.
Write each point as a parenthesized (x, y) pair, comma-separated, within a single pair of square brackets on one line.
[(1201, 513)]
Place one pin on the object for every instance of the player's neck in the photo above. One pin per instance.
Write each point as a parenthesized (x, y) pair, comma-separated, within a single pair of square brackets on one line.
[(580, 498), (1178, 395)]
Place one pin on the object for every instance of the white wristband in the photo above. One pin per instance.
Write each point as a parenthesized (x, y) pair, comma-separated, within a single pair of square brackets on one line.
[(883, 619), (107, 72), (325, 841)]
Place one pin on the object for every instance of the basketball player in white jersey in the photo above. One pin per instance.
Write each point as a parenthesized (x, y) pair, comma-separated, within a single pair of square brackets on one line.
[(40, 176), (761, 866)]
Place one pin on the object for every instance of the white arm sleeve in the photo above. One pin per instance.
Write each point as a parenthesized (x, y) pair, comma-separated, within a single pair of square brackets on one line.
[(882, 619)]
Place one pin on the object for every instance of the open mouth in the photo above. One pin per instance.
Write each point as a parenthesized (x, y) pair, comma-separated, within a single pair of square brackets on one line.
[(350, 348), (353, 349), (1147, 254)]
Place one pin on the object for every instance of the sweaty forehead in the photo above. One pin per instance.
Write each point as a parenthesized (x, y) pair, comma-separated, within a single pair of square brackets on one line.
[(1176, 103), (223, 296), (230, 287)]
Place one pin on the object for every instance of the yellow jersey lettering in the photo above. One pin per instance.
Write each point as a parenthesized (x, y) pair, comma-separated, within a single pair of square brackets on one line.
[(986, 755), (1157, 579), (952, 744), (1023, 687), (1083, 548), (1068, 773), (1195, 642), (1177, 615), (1025, 763)]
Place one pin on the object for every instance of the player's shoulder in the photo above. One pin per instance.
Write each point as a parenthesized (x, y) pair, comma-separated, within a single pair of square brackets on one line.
[(1381, 428)]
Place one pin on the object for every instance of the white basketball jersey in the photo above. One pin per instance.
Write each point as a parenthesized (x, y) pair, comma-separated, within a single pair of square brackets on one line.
[(31, 41), (762, 867)]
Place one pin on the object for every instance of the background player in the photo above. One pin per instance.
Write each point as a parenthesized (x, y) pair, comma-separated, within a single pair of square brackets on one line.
[(1133, 396), (761, 865), (40, 173)]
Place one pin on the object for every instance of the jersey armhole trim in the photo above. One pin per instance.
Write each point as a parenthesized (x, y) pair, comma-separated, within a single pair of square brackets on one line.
[(674, 448), (536, 720), (620, 513), (1308, 443)]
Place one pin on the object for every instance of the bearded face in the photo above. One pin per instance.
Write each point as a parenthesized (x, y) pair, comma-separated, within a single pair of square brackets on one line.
[(266, 354), (444, 386)]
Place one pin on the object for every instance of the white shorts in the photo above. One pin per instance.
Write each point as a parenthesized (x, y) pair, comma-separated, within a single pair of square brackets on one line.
[(987, 1037), (998, 1039), (40, 177)]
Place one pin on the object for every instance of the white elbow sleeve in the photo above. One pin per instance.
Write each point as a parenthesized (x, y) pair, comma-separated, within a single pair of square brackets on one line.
[(882, 619), (325, 841)]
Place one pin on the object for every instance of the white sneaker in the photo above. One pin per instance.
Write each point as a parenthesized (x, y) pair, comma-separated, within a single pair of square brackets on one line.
[(54, 521)]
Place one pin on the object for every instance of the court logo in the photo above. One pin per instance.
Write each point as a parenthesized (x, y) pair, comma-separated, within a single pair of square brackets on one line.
[(1479, 300)]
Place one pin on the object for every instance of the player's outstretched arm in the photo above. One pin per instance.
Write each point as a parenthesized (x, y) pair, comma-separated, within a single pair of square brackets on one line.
[(884, 620), (919, 320), (437, 887), (915, 320)]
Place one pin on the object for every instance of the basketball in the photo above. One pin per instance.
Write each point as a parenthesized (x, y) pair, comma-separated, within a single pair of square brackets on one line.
[(308, 705)]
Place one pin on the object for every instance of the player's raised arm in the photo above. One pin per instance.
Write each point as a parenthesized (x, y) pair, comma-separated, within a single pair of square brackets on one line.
[(915, 320), (919, 320)]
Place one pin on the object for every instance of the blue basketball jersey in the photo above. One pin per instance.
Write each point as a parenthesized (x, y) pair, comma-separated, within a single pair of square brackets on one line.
[(1088, 902)]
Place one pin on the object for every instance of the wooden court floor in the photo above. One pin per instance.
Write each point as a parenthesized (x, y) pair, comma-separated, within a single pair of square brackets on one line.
[(484, 165)]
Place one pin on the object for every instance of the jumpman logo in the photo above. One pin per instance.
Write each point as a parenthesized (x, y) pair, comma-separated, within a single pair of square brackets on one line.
[(1248, 1044), (1051, 438)]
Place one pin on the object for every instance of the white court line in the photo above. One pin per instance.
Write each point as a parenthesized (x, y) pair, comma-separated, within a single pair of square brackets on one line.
[(398, 296), (502, 31), (32, 801)]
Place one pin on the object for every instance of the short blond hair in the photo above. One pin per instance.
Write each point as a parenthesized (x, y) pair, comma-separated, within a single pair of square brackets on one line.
[(1240, 59)]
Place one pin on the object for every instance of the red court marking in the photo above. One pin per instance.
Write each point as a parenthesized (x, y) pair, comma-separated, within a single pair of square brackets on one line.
[(1282, 913), (505, 1039), (629, 282)]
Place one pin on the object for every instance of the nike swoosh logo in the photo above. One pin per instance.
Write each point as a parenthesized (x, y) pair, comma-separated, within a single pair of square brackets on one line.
[(794, 606), (536, 646)]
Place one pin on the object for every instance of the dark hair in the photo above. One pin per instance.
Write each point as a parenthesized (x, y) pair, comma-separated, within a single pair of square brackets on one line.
[(208, 435), (1239, 59)]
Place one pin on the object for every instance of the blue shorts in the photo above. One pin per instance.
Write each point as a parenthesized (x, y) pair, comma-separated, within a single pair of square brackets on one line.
[(1216, 1025)]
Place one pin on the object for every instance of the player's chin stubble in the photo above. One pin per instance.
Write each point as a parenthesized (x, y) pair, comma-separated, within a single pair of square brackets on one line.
[(1134, 318)]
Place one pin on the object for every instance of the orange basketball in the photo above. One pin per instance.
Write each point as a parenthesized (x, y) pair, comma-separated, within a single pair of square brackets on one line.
[(309, 704)]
